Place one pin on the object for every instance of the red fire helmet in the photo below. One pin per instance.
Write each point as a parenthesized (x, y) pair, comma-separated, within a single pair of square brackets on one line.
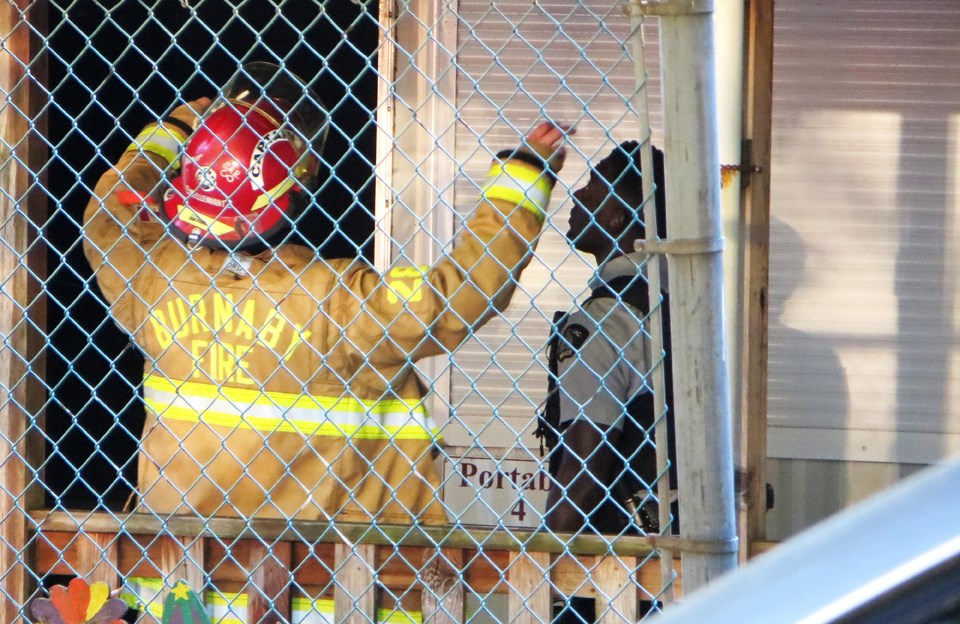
[(251, 165)]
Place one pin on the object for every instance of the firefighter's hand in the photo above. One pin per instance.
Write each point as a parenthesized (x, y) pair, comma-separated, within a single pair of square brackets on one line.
[(546, 141), (191, 112)]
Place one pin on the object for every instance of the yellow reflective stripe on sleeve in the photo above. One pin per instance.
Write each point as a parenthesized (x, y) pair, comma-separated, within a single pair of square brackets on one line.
[(163, 141), (519, 183), (286, 412)]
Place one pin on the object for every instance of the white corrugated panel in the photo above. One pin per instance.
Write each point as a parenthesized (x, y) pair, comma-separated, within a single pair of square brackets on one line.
[(521, 62), (864, 360)]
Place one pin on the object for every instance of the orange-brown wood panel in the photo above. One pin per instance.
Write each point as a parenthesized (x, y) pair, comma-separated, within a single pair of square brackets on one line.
[(231, 564), (268, 598), (23, 265), (98, 557)]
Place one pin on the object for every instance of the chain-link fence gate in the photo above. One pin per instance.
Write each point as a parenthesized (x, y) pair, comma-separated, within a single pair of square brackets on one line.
[(261, 424)]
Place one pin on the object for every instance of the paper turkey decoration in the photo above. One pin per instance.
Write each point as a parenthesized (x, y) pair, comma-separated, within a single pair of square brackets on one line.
[(78, 603)]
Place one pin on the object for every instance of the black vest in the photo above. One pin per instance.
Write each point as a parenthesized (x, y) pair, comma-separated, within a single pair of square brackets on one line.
[(636, 464)]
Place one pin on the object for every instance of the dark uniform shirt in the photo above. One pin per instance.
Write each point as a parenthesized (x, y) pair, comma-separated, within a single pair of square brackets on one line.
[(604, 355), (604, 362)]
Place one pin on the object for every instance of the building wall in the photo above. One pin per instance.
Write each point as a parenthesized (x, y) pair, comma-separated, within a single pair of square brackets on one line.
[(864, 380)]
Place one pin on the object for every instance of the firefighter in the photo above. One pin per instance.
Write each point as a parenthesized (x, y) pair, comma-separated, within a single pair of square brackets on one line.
[(279, 384)]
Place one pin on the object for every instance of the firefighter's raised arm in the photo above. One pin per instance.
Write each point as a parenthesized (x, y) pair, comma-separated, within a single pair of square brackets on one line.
[(424, 311), (117, 230)]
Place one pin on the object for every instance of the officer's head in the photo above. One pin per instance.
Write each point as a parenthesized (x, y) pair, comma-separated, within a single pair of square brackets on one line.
[(607, 212), (252, 165)]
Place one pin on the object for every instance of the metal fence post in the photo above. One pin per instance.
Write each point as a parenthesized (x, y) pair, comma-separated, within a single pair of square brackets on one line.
[(704, 438)]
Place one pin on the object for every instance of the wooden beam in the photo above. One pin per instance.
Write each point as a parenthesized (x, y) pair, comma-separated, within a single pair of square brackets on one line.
[(528, 597), (23, 265), (443, 592), (354, 593), (314, 532), (268, 598), (757, 122)]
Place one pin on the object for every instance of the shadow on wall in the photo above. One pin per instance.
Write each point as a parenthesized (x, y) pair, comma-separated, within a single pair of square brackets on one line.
[(811, 389), (875, 106)]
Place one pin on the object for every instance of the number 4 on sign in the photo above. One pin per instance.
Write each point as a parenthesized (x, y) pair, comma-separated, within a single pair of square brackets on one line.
[(520, 510), (183, 606)]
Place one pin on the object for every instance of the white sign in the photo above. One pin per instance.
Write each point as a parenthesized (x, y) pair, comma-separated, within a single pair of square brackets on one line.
[(481, 490)]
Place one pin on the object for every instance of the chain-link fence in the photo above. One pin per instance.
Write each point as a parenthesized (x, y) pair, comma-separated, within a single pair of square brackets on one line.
[(332, 394)]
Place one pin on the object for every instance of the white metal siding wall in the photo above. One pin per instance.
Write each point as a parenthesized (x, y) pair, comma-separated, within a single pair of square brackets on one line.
[(864, 252), (519, 64), (472, 79)]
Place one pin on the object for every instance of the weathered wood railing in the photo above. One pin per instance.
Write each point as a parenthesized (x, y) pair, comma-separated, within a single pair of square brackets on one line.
[(428, 568)]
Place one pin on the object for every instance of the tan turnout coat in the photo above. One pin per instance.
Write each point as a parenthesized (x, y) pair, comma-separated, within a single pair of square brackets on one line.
[(284, 388)]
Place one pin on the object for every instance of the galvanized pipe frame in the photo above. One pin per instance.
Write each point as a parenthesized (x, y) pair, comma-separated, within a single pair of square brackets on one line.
[(692, 169), (658, 375)]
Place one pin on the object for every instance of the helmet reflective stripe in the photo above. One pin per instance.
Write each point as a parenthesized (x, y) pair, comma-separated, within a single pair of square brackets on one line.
[(212, 225), (286, 412), (269, 196)]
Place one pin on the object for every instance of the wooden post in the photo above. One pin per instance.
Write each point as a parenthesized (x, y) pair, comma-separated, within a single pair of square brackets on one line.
[(23, 265), (616, 591), (755, 200), (443, 594), (386, 112), (98, 558), (268, 598), (181, 559), (354, 584), (528, 599)]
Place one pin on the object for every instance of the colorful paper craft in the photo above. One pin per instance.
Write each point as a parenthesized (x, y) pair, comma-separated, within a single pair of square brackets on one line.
[(78, 603), (183, 606)]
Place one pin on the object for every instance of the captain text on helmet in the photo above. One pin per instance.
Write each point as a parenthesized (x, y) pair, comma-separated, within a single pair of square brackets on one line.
[(280, 384)]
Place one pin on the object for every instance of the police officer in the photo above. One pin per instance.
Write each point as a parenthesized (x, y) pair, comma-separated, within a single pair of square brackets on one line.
[(600, 408), (279, 384)]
